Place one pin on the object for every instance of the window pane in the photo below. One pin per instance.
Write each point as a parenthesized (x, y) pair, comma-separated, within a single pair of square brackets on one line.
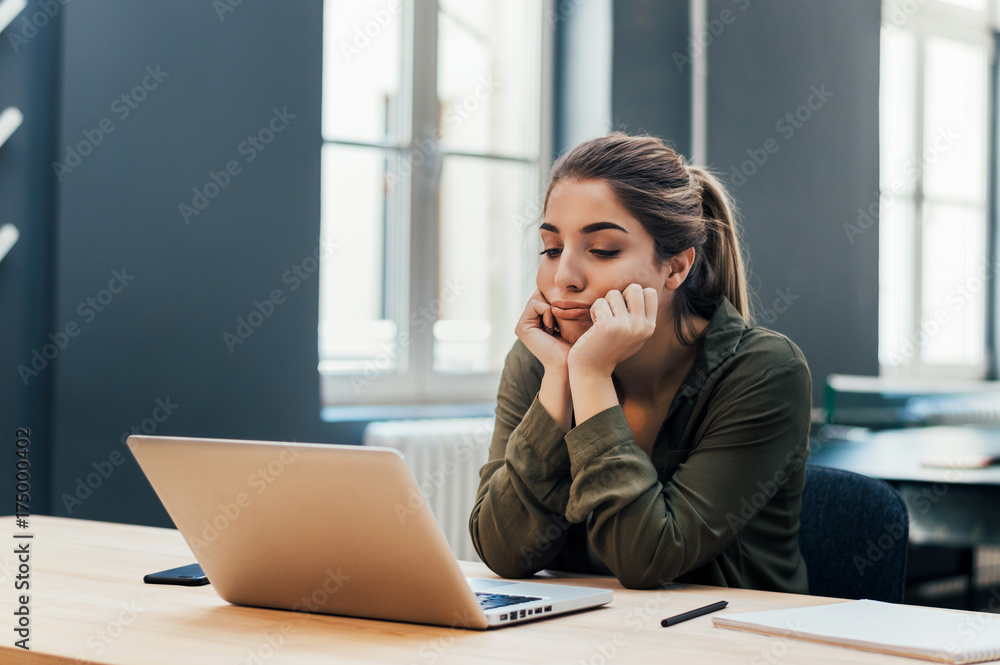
[(895, 283), (488, 75), (897, 95), (483, 261), (356, 322), (955, 140), (361, 70), (954, 285), (970, 4)]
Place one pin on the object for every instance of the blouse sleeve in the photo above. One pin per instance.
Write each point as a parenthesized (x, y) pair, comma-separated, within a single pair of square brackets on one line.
[(648, 533), (518, 522)]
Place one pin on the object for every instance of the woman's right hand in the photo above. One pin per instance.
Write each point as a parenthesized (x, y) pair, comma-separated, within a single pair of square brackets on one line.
[(536, 329)]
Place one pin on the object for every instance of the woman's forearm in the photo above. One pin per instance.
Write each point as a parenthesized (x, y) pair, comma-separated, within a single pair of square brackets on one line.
[(554, 395), (591, 393)]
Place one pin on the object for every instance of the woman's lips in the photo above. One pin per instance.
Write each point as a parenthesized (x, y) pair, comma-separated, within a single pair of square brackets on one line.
[(571, 313)]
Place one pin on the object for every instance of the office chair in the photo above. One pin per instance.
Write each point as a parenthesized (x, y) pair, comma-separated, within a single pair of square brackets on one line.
[(853, 533)]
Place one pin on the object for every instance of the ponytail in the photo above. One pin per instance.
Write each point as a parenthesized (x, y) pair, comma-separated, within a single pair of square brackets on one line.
[(722, 246)]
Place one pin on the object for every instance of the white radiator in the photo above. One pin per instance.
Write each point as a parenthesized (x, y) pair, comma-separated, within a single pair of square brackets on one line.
[(445, 456)]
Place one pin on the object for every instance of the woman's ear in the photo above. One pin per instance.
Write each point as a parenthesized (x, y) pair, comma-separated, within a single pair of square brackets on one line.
[(678, 268)]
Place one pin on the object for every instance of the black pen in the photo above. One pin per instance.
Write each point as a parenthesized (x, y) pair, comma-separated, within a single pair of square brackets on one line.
[(669, 621)]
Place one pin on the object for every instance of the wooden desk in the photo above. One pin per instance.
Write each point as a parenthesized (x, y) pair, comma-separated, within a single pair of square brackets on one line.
[(88, 602)]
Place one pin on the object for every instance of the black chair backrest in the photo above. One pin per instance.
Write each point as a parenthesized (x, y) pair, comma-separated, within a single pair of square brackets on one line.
[(853, 536)]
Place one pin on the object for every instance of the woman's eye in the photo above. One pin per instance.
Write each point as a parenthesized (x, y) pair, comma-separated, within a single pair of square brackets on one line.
[(601, 253)]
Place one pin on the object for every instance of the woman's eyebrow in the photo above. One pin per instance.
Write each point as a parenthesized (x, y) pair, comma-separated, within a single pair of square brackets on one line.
[(589, 228)]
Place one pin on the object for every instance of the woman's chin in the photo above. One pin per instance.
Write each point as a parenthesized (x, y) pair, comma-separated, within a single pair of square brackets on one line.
[(573, 329)]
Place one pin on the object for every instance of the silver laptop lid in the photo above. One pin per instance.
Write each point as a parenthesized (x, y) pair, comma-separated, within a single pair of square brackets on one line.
[(320, 528), (326, 528)]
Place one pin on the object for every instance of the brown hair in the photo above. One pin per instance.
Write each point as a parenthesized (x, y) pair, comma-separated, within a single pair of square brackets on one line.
[(681, 206)]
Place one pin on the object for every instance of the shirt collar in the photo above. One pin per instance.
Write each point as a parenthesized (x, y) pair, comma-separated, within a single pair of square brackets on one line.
[(721, 337)]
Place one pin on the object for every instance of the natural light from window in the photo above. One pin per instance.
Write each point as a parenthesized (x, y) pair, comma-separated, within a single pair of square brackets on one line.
[(431, 165), (933, 213)]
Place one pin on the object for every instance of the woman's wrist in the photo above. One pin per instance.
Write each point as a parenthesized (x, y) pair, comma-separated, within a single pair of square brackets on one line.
[(554, 395), (592, 392)]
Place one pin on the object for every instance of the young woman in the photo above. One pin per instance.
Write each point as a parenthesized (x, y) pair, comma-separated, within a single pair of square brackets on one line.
[(643, 427)]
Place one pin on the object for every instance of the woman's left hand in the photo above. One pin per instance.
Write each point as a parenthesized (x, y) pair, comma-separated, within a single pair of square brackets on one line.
[(623, 321)]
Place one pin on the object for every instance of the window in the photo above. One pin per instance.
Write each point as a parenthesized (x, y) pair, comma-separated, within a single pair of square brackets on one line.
[(435, 127), (933, 203)]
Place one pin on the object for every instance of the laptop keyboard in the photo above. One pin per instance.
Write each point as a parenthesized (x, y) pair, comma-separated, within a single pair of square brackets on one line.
[(488, 601)]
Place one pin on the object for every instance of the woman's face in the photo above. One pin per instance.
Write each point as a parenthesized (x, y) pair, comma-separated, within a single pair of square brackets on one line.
[(591, 246)]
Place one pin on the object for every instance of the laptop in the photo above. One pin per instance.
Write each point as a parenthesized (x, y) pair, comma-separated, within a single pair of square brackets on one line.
[(333, 529)]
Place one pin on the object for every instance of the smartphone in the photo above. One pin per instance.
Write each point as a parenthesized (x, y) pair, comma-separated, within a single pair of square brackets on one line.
[(191, 575)]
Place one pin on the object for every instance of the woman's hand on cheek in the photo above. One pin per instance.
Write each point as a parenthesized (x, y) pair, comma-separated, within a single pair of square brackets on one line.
[(536, 329), (623, 321)]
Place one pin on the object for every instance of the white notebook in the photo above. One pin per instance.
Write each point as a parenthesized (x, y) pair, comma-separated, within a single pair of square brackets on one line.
[(921, 632)]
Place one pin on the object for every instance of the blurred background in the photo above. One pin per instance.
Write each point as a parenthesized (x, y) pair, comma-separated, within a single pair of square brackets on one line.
[(284, 221)]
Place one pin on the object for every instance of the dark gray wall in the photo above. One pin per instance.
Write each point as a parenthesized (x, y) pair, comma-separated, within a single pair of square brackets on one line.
[(651, 70), (811, 280), (767, 63), (29, 69), (156, 351)]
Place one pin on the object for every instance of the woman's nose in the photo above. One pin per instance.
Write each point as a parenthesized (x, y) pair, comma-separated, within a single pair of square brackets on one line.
[(569, 275)]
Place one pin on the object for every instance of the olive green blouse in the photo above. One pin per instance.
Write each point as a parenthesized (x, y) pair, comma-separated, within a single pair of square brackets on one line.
[(718, 503)]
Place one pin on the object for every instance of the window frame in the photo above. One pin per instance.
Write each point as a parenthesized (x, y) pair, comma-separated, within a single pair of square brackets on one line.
[(413, 240), (940, 19)]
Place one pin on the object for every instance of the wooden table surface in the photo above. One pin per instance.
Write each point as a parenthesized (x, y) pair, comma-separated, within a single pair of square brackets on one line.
[(88, 604)]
